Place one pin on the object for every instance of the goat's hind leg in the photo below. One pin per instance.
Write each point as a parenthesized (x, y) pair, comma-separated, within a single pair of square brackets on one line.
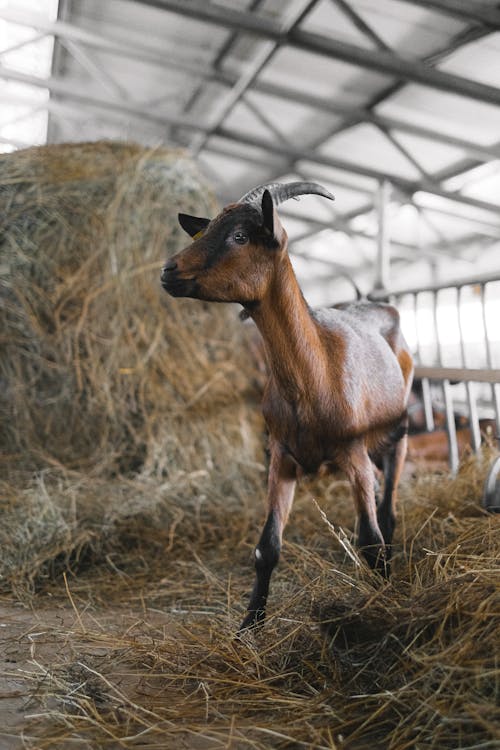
[(281, 487), (392, 462), (360, 472)]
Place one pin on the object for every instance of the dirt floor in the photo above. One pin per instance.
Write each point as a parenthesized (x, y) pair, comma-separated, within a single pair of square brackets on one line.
[(40, 642)]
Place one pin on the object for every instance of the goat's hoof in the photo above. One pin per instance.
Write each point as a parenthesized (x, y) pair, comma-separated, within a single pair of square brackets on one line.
[(378, 559), (383, 564), (254, 619), (385, 568), (387, 526)]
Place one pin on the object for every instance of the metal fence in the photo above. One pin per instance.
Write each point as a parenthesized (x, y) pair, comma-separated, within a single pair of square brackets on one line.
[(460, 370)]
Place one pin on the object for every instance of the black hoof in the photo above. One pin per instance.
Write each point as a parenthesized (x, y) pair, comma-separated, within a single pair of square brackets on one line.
[(378, 558), (254, 619), (387, 524)]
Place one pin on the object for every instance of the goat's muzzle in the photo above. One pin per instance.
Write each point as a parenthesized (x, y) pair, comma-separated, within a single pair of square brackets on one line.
[(173, 283)]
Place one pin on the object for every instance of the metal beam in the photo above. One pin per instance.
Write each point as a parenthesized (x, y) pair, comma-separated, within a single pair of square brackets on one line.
[(23, 43), (95, 70), (64, 30), (67, 90), (222, 53), (408, 186), (485, 278), (463, 9), (264, 119), (341, 224), (466, 36), (460, 167), (360, 23), (484, 153), (338, 224), (407, 155), (375, 60), (467, 375), (332, 264), (480, 226), (350, 120), (244, 82), (484, 227), (382, 265)]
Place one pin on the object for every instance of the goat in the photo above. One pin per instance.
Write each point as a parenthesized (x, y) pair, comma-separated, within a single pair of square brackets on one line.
[(339, 378)]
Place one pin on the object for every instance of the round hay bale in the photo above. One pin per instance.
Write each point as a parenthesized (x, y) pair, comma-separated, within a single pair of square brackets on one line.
[(100, 370)]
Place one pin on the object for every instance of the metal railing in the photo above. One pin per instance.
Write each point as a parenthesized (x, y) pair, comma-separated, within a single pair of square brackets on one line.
[(481, 383)]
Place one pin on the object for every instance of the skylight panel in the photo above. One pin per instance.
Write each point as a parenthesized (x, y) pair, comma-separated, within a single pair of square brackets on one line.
[(25, 51)]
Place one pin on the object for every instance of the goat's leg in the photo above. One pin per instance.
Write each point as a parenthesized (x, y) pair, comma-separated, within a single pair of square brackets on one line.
[(393, 462), (281, 487), (360, 472)]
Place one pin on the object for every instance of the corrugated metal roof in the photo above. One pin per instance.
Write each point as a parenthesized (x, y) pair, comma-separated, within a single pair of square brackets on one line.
[(348, 92)]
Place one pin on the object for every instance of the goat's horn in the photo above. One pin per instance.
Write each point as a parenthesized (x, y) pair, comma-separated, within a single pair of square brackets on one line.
[(281, 192)]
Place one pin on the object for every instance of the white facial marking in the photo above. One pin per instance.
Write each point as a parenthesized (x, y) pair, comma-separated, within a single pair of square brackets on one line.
[(258, 554)]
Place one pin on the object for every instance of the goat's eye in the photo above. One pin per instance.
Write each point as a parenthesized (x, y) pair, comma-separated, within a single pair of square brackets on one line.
[(240, 237)]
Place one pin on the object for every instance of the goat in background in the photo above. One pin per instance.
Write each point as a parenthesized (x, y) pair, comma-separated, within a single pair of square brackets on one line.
[(339, 379)]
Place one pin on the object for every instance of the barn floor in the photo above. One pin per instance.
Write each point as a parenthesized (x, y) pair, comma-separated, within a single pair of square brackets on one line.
[(47, 639), (138, 648)]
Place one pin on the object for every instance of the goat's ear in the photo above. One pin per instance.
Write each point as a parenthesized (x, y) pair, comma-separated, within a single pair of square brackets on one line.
[(192, 224), (270, 218)]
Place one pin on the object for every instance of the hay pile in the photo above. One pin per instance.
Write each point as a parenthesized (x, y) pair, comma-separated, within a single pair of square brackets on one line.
[(94, 355), (102, 374), (344, 660)]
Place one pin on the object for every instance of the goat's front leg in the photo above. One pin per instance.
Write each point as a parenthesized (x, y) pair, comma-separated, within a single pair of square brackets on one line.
[(281, 487), (359, 470)]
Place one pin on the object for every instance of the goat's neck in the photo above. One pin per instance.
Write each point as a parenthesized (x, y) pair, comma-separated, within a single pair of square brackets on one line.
[(290, 334)]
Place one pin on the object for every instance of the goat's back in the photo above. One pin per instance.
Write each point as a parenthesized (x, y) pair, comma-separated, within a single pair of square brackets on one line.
[(374, 346), (367, 319)]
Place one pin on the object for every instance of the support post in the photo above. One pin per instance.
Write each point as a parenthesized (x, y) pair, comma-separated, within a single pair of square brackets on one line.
[(451, 430), (495, 387), (469, 386), (383, 238)]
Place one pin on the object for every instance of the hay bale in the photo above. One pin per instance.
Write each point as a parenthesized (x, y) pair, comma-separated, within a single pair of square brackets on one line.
[(102, 374), (100, 370)]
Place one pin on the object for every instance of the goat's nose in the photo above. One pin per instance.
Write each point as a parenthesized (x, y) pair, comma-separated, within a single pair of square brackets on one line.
[(170, 265)]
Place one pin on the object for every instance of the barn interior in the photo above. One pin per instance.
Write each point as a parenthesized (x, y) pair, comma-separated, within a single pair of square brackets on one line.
[(134, 464)]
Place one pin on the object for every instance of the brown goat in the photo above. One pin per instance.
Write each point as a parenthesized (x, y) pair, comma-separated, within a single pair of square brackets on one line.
[(339, 379)]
